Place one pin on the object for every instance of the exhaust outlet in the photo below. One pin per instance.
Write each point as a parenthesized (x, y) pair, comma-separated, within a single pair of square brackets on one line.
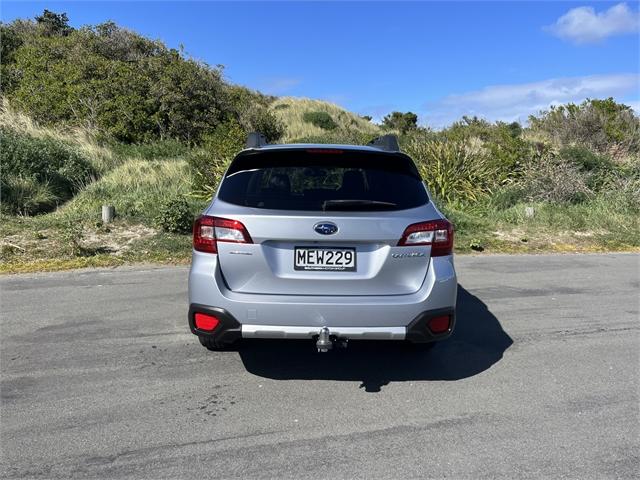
[(324, 342)]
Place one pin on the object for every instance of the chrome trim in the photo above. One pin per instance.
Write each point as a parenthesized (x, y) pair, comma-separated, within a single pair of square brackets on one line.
[(363, 333)]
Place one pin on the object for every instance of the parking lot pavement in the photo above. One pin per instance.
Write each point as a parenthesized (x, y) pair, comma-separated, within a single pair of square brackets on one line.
[(100, 377)]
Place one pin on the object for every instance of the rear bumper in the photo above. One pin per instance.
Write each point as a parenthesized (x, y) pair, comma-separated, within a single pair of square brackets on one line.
[(230, 330), (302, 316)]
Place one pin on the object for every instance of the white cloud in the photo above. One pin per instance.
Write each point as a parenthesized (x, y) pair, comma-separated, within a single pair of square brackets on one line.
[(635, 105), (337, 98), (278, 85), (516, 102), (585, 25)]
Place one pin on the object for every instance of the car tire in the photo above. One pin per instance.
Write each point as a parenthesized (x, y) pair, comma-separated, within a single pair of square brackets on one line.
[(211, 344)]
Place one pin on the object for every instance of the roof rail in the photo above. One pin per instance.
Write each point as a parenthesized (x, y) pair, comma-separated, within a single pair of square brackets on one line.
[(256, 140), (385, 142)]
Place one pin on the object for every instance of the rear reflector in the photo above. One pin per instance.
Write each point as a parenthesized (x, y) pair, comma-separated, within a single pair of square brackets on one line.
[(439, 324), (205, 322)]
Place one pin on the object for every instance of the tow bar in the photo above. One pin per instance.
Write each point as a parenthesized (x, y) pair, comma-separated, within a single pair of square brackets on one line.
[(326, 341)]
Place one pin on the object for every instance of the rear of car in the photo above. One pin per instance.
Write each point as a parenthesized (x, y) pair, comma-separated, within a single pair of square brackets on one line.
[(323, 242)]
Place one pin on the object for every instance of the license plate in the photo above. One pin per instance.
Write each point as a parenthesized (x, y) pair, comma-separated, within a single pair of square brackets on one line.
[(325, 258)]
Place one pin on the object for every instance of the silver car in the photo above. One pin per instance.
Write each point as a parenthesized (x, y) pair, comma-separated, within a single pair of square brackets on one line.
[(322, 242)]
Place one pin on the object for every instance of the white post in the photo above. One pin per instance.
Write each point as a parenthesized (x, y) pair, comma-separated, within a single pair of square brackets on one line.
[(529, 212), (108, 212)]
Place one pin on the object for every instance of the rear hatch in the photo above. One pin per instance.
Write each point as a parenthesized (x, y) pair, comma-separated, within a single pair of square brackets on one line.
[(323, 222)]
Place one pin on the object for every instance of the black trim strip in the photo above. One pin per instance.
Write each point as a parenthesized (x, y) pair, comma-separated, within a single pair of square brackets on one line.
[(418, 330), (228, 331)]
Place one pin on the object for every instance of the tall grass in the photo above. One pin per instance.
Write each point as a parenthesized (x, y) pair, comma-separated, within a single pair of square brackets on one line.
[(102, 158), (160, 150), (24, 195)]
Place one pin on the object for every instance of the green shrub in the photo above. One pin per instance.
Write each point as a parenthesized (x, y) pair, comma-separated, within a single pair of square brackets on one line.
[(209, 162), (507, 197), (601, 125), (452, 171), (29, 161), (251, 111), (150, 151), (175, 215), (263, 121), (320, 119), (584, 159), (71, 233), (403, 122), (599, 169), (129, 87)]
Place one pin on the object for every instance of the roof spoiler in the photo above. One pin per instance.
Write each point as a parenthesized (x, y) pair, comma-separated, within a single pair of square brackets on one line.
[(388, 143), (256, 140)]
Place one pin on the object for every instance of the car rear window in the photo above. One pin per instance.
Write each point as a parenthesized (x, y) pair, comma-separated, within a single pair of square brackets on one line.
[(323, 179)]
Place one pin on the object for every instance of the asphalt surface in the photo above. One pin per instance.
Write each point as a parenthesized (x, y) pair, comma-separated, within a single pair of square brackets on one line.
[(100, 377)]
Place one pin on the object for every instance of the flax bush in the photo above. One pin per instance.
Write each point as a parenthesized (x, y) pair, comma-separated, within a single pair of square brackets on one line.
[(452, 170)]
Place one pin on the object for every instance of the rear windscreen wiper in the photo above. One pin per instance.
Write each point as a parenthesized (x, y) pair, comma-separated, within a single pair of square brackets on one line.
[(358, 205)]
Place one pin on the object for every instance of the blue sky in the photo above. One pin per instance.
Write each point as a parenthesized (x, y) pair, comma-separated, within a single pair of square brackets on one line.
[(499, 60)]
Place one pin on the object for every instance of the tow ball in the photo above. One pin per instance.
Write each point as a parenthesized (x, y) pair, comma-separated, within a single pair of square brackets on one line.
[(326, 341)]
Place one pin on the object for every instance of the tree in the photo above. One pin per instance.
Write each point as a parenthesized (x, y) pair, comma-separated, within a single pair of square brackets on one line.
[(122, 84), (401, 121), (54, 24)]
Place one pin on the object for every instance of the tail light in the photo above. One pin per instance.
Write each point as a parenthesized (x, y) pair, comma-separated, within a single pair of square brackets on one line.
[(437, 233), (207, 231)]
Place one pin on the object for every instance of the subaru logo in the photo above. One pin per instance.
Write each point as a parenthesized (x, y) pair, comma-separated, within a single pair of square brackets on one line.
[(325, 228)]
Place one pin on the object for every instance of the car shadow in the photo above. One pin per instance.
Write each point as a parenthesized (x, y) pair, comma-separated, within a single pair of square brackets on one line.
[(477, 343)]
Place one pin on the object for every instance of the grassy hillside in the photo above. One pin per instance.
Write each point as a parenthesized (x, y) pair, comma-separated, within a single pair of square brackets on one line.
[(138, 179), (291, 112), (567, 181), (505, 190)]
